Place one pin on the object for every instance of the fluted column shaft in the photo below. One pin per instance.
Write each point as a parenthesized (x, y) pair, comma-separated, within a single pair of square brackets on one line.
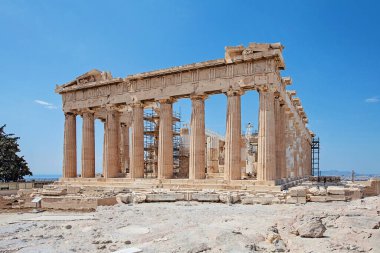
[(281, 144), (112, 144), (136, 168), (266, 165), (296, 141), (125, 146), (197, 139), (232, 164), (278, 133), (289, 145), (104, 147), (165, 140), (70, 147), (88, 145)]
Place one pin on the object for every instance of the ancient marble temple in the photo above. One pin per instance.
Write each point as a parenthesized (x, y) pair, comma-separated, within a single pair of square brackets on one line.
[(284, 141)]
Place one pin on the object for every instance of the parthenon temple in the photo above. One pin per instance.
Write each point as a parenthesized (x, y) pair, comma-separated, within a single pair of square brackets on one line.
[(281, 148)]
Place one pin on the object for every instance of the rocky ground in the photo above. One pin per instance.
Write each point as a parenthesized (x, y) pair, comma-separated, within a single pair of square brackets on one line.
[(198, 227)]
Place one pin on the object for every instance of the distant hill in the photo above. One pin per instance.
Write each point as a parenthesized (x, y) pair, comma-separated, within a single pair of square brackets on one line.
[(346, 173)]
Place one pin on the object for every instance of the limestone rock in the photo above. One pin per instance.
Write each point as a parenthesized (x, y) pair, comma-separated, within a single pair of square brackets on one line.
[(309, 226), (229, 198), (124, 198), (139, 198)]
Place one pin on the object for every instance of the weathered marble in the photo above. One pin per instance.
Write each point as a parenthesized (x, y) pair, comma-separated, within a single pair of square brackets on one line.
[(197, 139)]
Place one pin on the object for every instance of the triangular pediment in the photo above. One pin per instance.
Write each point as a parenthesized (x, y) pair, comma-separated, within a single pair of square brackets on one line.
[(91, 76)]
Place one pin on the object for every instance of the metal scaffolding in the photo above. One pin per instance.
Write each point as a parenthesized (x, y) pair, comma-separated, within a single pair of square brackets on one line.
[(151, 134), (315, 147)]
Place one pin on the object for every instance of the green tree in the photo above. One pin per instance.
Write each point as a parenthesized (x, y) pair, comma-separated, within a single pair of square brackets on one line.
[(12, 166)]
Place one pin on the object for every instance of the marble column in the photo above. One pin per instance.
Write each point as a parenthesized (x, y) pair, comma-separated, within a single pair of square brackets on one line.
[(136, 168), (70, 146), (232, 160), (266, 165), (281, 144), (112, 144), (197, 139), (104, 147), (165, 140), (125, 146), (88, 145), (289, 145), (277, 116), (309, 158), (296, 156)]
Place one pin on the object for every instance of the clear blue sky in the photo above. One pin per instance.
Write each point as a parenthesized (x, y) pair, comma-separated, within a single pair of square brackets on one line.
[(332, 51)]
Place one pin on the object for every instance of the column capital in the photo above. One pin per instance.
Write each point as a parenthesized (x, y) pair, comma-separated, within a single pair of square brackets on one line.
[(198, 96), (68, 113), (169, 100), (266, 88), (234, 92), (86, 111)]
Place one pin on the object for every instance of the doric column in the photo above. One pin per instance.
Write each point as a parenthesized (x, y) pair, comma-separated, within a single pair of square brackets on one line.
[(70, 146), (309, 158), (266, 165), (125, 146), (88, 145), (104, 147), (289, 143), (277, 117), (197, 139), (136, 168), (165, 140), (296, 141), (112, 143), (280, 139), (232, 160)]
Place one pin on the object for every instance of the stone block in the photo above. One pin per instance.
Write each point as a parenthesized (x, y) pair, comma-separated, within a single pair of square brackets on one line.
[(164, 197), (295, 200), (109, 201), (336, 198), (55, 192), (68, 203), (205, 197), (335, 190), (298, 191), (318, 198)]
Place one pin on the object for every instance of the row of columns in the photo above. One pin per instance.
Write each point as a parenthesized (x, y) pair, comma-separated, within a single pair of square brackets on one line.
[(278, 140), (298, 150)]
